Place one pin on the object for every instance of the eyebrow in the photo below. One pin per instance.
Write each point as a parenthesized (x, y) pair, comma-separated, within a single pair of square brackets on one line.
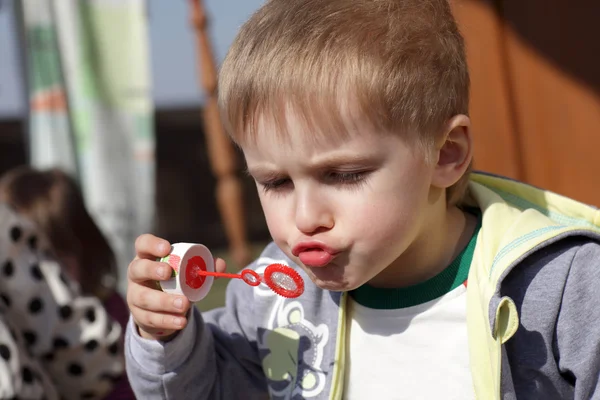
[(327, 162)]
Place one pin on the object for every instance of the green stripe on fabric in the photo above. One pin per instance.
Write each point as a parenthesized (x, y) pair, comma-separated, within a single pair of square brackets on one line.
[(446, 281)]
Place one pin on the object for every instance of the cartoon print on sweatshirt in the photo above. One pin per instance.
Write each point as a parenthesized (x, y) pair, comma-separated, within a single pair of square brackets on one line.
[(291, 347)]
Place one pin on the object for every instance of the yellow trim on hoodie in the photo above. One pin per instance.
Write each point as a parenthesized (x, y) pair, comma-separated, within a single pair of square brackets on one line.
[(337, 383)]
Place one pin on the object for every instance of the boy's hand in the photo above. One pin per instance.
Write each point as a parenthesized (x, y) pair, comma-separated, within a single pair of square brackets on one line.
[(157, 314)]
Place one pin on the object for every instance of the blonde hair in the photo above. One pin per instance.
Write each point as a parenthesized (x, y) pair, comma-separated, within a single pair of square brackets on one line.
[(399, 65)]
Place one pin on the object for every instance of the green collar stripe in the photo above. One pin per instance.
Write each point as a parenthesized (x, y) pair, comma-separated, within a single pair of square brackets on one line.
[(446, 281)]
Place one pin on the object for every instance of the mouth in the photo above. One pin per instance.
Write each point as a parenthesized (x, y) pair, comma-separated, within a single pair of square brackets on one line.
[(314, 254)]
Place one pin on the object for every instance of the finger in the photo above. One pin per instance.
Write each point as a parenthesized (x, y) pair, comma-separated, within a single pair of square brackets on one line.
[(156, 334), (220, 265), (141, 270), (154, 323), (149, 299), (151, 247)]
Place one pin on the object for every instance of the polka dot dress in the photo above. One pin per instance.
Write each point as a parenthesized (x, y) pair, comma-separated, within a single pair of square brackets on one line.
[(54, 344)]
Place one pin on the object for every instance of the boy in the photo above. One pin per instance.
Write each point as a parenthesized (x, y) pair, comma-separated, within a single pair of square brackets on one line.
[(422, 280)]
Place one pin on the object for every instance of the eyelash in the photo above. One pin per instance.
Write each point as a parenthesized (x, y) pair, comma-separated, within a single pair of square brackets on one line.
[(349, 179)]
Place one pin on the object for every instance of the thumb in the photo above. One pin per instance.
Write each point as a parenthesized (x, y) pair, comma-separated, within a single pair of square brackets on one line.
[(220, 265)]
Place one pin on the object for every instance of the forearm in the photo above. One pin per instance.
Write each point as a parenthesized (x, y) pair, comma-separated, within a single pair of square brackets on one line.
[(194, 364)]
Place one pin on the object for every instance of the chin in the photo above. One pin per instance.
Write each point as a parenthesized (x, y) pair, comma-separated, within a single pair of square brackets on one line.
[(332, 279), (331, 286)]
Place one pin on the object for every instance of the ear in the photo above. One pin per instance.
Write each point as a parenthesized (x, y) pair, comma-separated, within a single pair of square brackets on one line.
[(454, 152)]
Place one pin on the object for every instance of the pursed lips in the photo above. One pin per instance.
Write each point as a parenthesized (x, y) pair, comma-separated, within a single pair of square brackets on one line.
[(314, 254)]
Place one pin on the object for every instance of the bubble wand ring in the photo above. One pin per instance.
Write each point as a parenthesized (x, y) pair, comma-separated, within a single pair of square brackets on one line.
[(284, 280)]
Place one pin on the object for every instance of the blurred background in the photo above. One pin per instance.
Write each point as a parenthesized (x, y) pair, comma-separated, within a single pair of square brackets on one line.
[(120, 93)]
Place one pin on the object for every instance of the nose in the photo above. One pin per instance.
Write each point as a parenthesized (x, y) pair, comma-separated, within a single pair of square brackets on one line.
[(313, 212)]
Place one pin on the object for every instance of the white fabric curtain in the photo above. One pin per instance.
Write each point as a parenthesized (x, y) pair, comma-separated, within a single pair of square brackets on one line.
[(91, 107)]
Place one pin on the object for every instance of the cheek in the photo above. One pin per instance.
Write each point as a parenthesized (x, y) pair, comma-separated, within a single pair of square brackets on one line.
[(387, 217), (379, 221), (275, 215)]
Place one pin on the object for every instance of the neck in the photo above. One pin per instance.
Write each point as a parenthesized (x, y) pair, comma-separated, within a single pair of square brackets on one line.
[(443, 236)]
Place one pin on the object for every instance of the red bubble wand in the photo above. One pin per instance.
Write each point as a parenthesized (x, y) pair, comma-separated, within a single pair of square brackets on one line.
[(281, 279), (193, 274)]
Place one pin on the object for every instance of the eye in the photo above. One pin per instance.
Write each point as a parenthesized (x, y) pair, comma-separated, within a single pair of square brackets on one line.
[(276, 184), (347, 178)]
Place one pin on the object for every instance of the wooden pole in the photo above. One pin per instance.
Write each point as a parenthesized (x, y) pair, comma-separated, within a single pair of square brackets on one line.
[(220, 149)]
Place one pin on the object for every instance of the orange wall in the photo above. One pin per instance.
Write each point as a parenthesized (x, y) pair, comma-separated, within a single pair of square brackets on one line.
[(535, 100)]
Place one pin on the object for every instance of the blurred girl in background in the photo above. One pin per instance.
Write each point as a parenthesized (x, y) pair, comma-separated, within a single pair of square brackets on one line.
[(53, 200)]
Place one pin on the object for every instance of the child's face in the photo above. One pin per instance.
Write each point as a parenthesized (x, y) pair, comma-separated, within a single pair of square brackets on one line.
[(359, 201)]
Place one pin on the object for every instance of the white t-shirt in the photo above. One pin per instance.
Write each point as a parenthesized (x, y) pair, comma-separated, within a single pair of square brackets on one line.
[(418, 352)]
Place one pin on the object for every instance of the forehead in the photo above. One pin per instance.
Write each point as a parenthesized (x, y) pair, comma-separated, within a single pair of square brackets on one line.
[(268, 158), (301, 149), (295, 126)]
